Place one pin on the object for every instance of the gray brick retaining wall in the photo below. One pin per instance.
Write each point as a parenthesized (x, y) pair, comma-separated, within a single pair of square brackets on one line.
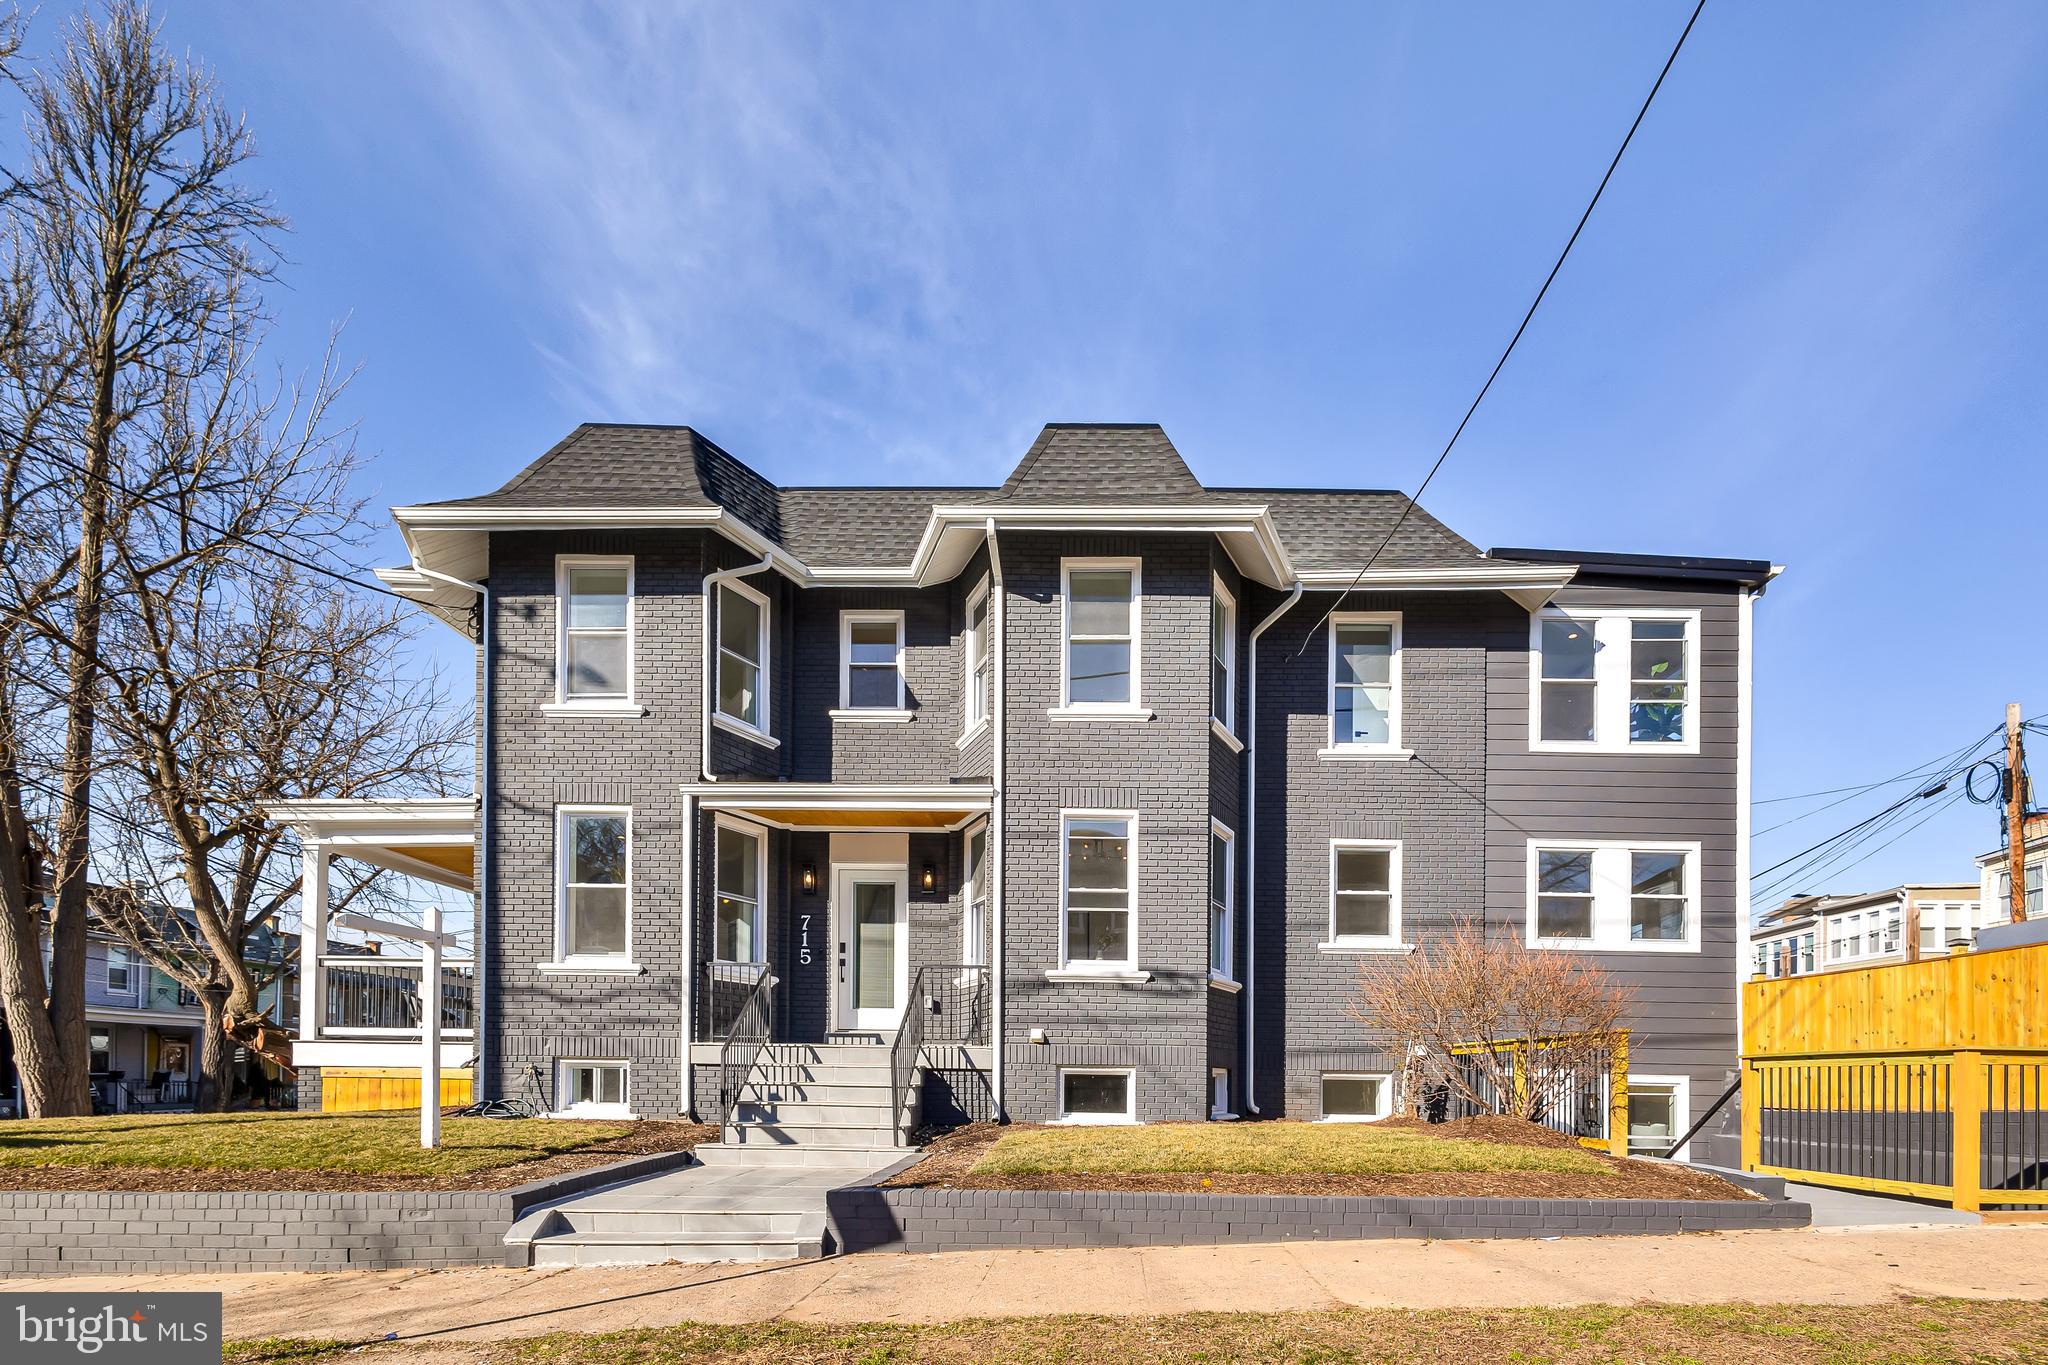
[(65, 1232), (869, 1218)]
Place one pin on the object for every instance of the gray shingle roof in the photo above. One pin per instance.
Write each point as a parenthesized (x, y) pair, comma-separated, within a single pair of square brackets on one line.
[(1329, 528), (1070, 464)]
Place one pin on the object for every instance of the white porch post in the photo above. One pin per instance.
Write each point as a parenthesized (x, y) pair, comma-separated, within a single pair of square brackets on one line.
[(312, 939), (430, 1030)]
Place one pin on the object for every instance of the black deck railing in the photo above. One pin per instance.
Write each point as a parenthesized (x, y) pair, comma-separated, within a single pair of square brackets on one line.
[(948, 1005), (747, 991)]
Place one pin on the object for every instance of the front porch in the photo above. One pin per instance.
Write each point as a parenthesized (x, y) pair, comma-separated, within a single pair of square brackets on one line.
[(835, 917), (361, 998)]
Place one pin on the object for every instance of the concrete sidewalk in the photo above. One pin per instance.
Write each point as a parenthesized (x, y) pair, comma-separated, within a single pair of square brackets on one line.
[(1863, 1265)]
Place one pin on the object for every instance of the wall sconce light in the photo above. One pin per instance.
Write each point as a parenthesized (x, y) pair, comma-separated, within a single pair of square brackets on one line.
[(930, 879), (808, 878)]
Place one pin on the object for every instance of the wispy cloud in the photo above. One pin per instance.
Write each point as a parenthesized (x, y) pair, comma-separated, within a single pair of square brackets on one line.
[(695, 210)]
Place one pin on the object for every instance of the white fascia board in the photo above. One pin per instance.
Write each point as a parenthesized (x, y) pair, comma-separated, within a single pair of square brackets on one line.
[(481, 520), (843, 796), (1532, 585)]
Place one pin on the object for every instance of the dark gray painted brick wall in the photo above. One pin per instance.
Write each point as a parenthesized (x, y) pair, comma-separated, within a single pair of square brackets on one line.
[(892, 1219), (1464, 670)]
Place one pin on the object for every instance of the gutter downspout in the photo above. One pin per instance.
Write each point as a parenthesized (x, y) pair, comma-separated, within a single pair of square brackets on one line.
[(996, 714), (710, 660), (479, 957), (1251, 850)]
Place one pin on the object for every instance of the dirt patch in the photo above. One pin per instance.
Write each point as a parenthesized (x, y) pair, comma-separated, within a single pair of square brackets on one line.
[(949, 1161), (644, 1138)]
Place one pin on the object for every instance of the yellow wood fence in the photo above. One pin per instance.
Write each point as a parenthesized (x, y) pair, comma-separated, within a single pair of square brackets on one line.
[(367, 1089), (1924, 1079)]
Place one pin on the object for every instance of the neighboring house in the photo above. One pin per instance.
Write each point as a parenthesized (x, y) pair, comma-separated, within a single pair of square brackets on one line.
[(1994, 871), (1828, 932), (1087, 735), (142, 1027)]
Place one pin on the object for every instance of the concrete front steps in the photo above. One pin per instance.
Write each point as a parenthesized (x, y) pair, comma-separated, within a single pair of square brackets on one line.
[(812, 1118)]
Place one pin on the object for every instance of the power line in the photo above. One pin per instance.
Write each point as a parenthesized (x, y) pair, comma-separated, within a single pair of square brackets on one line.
[(1534, 304), (1946, 761), (1913, 771)]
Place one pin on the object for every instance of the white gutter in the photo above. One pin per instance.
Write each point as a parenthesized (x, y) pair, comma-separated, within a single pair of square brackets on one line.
[(1251, 849), (1744, 964), (995, 820), (710, 655), (479, 956)]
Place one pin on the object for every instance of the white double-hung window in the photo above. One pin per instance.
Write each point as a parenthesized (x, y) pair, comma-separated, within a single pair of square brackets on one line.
[(595, 872), (1365, 896), (743, 656), (1101, 608), (974, 924), (1614, 680), (119, 962), (871, 683), (1222, 901), (1097, 878), (740, 869), (1222, 656), (978, 660), (1365, 685), (594, 649), (1614, 895)]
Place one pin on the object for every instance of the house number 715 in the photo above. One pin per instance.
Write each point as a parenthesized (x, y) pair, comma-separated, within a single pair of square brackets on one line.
[(803, 953)]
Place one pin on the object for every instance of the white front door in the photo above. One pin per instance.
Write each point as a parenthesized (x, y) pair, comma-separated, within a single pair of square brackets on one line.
[(871, 923)]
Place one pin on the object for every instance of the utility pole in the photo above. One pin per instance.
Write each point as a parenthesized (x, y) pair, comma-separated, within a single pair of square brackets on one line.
[(2016, 812)]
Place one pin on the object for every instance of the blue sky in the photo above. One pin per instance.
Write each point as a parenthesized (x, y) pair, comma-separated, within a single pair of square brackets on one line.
[(877, 243)]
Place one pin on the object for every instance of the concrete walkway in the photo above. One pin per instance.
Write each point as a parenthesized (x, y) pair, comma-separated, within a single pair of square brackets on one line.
[(1834, 1208), (1867, 1265)]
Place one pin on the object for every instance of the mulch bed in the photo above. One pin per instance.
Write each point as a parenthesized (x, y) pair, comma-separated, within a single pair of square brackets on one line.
[(644, 1138), (947, 1162)]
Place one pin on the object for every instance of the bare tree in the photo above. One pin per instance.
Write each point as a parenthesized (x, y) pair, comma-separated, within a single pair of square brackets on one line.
[(129, 243), (1507, 1028), (237, 673)]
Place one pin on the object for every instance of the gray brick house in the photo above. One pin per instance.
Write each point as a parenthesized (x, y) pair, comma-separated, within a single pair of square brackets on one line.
[(1147, 769)]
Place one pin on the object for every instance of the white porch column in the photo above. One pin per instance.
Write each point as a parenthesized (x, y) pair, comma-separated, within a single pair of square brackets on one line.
[(430, 1031), (312, 939)]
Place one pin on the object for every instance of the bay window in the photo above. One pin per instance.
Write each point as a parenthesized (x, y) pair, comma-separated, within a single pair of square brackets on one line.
[(742, 655), (738, 872)]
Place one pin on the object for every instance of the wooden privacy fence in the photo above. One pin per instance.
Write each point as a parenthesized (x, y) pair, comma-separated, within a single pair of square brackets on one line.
[(1923, 1079), (370, 1089)]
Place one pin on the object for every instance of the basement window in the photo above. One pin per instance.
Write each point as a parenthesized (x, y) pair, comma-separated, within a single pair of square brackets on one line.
[(1097, 1095), (1356, 1097), (591, 1090)]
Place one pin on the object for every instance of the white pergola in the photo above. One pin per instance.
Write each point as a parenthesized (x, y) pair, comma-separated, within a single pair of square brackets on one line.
[(433, 839)]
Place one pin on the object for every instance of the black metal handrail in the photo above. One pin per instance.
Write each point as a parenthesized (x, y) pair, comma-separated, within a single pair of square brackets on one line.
[(753, 1024), (955, 997)]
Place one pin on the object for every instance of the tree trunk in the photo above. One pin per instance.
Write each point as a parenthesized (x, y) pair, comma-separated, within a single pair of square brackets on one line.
[(214, 1081)]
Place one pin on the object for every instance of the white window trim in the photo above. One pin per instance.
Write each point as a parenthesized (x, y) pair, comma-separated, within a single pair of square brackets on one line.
[(606, 962), (1681, 1106), (1227, 717), (1611, 895), (1225, 1114), (1130, 1113), (971, 948), (1392, 942), (564, 704), (1134, 708), (1227, 975), (847, 710), (759, 834), (1127, 968), (1385, 1108), (765, 690), (127, 969), (621, 1110), (1611, 668), (1392, 749), (974, 656)]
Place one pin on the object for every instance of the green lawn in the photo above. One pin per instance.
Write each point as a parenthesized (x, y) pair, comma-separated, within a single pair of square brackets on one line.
[(1264, 1149), (370, 1144), (1923, 1332)]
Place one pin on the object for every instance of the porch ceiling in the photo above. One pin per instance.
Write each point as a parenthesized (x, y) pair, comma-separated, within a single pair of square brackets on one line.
[(824, 805), (858, 819)]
